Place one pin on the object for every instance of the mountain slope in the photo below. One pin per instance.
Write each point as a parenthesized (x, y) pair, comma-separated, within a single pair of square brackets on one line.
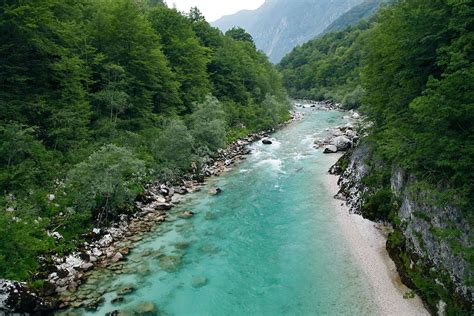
[(280, 25), (362, 11)]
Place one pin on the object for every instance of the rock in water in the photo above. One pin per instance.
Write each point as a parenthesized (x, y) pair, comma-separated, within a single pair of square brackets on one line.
[(215, 191), (330, 149), (186, 214), (170, 263), (199, 281), (145, 308), (342, 143), (267, 142), (356, 115), (117, 257)]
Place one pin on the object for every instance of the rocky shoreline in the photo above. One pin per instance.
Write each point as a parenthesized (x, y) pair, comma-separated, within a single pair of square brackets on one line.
[(420, 256), (108, 247)]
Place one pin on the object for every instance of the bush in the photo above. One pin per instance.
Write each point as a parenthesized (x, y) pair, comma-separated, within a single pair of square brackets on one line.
[(208, 125), (173, 150), (21, 241), (109, 180)]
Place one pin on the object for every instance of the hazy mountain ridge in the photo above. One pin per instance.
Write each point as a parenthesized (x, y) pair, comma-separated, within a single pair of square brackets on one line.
[(280, 25), (362, 11)]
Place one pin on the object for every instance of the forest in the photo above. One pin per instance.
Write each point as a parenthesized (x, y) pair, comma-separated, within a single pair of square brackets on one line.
[(98, 98), (328, 67)]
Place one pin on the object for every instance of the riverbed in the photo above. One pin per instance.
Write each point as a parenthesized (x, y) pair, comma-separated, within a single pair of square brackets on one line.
[(269, 244)]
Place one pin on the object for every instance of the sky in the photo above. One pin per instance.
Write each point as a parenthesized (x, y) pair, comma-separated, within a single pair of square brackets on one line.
[(214, 9)]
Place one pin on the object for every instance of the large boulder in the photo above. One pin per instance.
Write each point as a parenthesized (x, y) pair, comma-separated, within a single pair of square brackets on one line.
[(17, 297), (342, 143), (215, 191), (330, 149), (266, 141)]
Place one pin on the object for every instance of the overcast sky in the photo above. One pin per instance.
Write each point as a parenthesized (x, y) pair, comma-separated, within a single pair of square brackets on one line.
[(214, 9)]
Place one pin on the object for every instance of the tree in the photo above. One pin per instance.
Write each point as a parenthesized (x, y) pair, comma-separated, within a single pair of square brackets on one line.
[(107, 181), (174, 149), (208, 125), (42, 72), (113, 99), (239, 34), (125, 38), (24, 161), (188, 58)]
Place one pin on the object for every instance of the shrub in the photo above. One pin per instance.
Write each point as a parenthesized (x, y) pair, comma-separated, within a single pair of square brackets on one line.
[(109, 180)]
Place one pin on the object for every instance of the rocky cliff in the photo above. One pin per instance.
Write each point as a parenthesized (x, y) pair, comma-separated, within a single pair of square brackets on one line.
[(432, 240)]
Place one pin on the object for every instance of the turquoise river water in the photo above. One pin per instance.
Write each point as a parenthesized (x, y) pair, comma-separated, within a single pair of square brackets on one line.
[(268, 245)]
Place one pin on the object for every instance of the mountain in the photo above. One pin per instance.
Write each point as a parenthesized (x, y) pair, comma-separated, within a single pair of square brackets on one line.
[(280, 25), (362, 11)]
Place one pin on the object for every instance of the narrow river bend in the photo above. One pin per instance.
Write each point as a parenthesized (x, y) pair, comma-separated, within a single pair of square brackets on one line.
[(268, 245)]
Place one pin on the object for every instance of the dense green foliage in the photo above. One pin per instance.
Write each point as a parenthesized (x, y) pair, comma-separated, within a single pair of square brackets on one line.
[(99, 96), (418, 78), (328, 67)]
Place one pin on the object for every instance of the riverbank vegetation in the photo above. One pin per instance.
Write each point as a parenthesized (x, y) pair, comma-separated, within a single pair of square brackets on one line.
[(410, 71), (97, 97)]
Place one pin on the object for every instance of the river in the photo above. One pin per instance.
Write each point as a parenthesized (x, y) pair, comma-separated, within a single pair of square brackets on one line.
[(268, 245)]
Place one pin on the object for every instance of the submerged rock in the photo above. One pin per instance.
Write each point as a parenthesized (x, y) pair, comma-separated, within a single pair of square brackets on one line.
[(126, 290), (121, 313), (182, 245), (209, 249), (170, 263), (117, 300), (199, 281), (94, 304), (186, 214), (210, 216), (145, 308)]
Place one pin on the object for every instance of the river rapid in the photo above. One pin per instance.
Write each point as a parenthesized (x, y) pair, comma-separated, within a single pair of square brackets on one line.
[(268, 245)]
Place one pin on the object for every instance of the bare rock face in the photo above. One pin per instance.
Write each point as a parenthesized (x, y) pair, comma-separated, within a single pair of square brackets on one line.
[(423, 221), (17, 297), (428, 228)]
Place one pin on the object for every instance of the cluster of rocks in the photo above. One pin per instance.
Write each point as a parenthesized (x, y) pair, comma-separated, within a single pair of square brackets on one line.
[(326, 105), (16, 296), (352, 188), (339, 139), (237, 151)]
